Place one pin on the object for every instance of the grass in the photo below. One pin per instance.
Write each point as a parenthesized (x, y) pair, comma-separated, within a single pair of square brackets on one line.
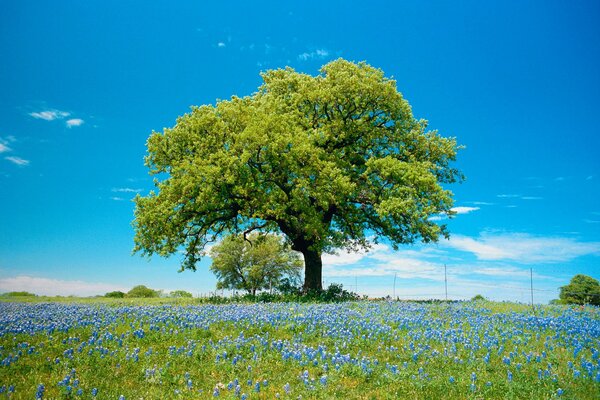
[(175, 348)]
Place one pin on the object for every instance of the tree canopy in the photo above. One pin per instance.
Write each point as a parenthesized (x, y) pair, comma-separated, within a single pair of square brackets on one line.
[(582, 289), (255, 263), (142, 291), (333, 161)]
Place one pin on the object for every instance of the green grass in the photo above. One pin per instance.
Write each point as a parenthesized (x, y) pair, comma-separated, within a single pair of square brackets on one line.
[(396, 350)]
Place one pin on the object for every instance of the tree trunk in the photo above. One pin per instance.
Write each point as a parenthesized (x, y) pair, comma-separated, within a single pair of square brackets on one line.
[(313, 267)]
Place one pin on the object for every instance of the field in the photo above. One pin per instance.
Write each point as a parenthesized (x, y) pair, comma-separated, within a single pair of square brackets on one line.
[(358, 350)]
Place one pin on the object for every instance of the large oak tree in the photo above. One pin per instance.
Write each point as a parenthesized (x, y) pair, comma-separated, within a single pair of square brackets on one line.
[(332, 161)]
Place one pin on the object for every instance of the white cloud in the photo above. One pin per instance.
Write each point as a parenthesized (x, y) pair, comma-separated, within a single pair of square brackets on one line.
[(221, 44), (50, 115), (464, 210), (531, 198), (317, 54), (74, 122), (345, 258), (522, 247), (457, 210), (481, 203), (4, 148), (117, 198), (18, 161), (56, 287), (509, 196), (126, 190)]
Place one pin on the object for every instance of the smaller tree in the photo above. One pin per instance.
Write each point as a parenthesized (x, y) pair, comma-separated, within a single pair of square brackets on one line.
[(253, 263), (142, 291), (180, 294), (582, 289), (116, 294)]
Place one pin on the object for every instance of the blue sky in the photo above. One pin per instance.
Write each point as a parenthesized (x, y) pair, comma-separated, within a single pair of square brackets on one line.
[(85, 83)]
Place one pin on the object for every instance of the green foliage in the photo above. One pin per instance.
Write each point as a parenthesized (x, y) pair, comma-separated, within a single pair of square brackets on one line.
[(116, 294), (325, 160), (582, 289), (180, 294), (18, 294), (253, 263), (478, 297), (142, 291)]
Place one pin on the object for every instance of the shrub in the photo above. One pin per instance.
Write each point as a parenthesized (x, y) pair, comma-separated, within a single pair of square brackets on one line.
[(142, 291), (180, 294), (116, 294), (19, 294)]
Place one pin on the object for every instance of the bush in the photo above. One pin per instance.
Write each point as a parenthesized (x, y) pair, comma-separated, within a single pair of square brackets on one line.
[(19, 294), (180, 294), (582, 289), (478, 297), (116, 294), (143, 291)]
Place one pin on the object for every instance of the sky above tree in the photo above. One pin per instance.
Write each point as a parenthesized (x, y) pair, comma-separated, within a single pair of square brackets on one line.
[(84, 85)]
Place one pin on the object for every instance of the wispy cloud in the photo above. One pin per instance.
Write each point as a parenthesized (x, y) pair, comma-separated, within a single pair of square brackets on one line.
[(56, 287), (126, 190), (522, 247), (464, 210), (17, 160), (74, 122), (4, 148), (518, 196), (481, 203), (456, 210), (117, 198), (50, 115), (317, 54), (221, 44)]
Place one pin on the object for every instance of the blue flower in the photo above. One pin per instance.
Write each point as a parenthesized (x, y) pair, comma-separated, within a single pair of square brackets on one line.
[(452, 380)]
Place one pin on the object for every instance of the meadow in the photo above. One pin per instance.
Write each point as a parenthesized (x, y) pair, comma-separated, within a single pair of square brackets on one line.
[(352, 350)]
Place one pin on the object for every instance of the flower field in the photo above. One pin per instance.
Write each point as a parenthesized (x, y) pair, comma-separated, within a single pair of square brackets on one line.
[(359, 350)]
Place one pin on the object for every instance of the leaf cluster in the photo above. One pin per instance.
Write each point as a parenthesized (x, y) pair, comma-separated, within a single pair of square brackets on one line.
[(325, 160), (253, 263), (582, 289)]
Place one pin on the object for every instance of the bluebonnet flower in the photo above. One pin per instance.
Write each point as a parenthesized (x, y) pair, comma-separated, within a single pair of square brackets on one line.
[(257, 387), (40, 391), (244, 396), (559, 392), (452, 380), (94, 392), (510, 376), (287, 388), (323, 380)]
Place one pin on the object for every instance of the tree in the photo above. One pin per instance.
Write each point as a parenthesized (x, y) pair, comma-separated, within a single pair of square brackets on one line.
[(582, 289), (180, 294), (254, 263), (116, 294), (142, 291), (330, 161)]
